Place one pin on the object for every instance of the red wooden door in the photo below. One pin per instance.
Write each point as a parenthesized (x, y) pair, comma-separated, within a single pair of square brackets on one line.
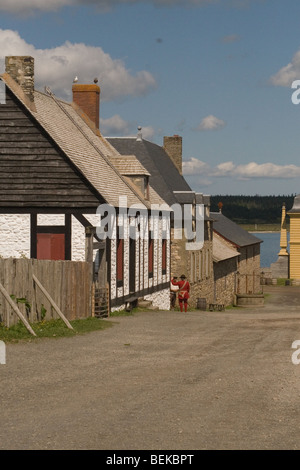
[(51, 246)]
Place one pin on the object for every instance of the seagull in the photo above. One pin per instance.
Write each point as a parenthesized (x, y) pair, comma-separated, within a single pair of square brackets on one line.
[(75, 79)]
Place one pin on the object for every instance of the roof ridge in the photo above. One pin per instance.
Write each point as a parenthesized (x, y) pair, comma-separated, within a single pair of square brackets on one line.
[(96, 148)]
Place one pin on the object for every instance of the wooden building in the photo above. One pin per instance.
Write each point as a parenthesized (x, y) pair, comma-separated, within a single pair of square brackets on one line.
[(56, 171), (294, 256)]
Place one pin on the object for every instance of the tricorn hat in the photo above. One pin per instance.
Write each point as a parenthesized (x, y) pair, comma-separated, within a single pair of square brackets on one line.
[(182, 276)]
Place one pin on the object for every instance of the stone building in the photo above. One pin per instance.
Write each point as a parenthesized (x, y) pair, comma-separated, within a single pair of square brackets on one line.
[(225, 267), (56, 171), (164, 165), (240, 274)]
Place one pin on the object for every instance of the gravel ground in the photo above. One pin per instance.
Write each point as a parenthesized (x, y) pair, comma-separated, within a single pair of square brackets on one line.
[(160, 381)]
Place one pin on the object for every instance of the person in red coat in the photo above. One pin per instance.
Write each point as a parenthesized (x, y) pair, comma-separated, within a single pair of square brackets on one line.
[(183, 293)]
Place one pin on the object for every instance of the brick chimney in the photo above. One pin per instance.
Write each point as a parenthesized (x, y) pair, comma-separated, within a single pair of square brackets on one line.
[(173, 147), (87, 97), (21, 69)]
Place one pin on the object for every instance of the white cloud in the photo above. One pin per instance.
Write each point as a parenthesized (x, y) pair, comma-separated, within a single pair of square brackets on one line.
[(266, 170), (211, 123), (29, 6), (287, 74), (195, 166), (148, 132), (58, 66), (248, 171), (115, 125)]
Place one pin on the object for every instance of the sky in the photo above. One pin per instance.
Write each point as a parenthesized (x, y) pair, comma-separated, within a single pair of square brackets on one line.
[(220, 73)]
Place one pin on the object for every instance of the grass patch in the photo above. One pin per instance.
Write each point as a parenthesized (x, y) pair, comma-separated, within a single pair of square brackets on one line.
[(51, 329), (122, 313), (125, 313)]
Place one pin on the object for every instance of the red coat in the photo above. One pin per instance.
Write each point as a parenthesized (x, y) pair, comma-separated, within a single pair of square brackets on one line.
[(184, 289)]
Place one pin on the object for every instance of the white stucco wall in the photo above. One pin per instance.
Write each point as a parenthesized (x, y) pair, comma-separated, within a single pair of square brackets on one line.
[(15, 242), (15, 235), (160, 299)]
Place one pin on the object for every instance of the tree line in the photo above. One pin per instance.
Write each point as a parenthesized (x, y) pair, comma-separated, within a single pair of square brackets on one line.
[(252, 209)]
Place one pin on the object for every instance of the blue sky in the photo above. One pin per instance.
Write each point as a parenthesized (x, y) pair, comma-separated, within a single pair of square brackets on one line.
[(216, 72)]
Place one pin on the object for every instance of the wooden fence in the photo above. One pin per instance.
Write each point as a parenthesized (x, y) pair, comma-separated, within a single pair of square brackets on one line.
[(68, 283)]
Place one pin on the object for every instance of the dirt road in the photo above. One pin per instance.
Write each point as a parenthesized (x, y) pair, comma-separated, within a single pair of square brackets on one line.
[(160, 380)]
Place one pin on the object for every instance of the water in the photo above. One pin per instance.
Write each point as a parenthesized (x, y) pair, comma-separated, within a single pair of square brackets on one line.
[(270, 247)]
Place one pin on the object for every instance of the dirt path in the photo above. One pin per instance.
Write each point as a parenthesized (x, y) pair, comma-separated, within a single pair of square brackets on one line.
[(160, 380)]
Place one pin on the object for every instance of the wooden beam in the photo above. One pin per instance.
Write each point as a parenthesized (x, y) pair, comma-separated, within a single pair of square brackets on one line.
[(16, 310), (89, 234), (56, 308)]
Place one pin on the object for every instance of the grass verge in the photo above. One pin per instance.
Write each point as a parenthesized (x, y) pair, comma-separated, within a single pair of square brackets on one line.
[(52, 329)]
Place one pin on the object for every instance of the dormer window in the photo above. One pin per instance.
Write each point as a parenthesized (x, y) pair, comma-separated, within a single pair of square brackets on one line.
[(142, 183)]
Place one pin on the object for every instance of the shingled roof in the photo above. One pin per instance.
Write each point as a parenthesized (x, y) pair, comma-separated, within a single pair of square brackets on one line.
[(232, 232), (88, 151), (165, 178), (221, 250)]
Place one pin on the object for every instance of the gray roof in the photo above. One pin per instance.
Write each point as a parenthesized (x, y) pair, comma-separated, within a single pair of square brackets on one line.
[(232, 232), (165, 177)]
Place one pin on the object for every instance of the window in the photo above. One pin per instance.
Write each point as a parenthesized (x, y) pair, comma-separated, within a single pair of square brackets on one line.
[(51, 242), (164, 256), (51, 246), (150, 256), (120, 262)]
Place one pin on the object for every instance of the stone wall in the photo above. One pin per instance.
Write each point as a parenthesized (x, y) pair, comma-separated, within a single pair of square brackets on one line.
[(225, 281), (197, 265), (249, 270)]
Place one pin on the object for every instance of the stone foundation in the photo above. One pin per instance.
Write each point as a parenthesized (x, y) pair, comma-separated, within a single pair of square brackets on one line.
[(249, 300)]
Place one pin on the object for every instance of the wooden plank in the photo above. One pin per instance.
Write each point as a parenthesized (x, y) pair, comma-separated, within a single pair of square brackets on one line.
[(27, 144), (34, 159), (20, 122), (27, 150), (23, 206), (10, 320), (47, 295), (19, 130), (43, 170), (16, 310)]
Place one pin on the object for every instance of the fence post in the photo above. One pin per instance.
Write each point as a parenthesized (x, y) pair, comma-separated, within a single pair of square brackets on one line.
[(16, 310), (47, 295)]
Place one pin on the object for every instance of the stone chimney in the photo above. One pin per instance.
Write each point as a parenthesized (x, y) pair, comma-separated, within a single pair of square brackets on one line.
[(173, 147), (87, 97), (21, 69)]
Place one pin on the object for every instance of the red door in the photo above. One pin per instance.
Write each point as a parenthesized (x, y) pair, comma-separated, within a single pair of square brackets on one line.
[(51, 246)]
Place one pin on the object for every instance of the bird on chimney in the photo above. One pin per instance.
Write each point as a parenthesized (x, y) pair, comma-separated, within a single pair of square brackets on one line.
[(75, 79)]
